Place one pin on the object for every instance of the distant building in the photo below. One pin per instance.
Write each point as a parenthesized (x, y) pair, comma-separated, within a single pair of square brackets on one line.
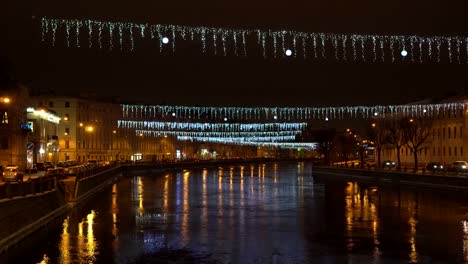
[(447, 142)]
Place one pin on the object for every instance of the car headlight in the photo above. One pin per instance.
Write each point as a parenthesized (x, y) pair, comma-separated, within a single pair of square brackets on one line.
[(435, 166), (441, 166), (463, 166)]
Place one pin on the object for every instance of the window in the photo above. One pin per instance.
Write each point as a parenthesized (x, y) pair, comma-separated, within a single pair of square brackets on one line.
[(461, 151), (67, 144), (455, 132), (67, 104), (438, 151), (455, 150), (443, 151), (449, 151), (461, 131), (433, 133), (443, 133), (51, 104), (67, 117), (448, 131), (67, 130), (5, 117), (433, 151), (425, 151)]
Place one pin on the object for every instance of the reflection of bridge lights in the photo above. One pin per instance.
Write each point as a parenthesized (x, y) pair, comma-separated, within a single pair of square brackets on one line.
[(288, 52), (165, 40)]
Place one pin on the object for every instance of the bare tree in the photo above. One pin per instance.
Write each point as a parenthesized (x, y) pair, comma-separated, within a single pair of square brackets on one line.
[(417, 131), (345, 146), (325, 143), (397, 136), (378, 132)]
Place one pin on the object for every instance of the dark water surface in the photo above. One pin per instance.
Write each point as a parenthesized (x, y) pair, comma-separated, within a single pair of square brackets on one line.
[(260, 213)]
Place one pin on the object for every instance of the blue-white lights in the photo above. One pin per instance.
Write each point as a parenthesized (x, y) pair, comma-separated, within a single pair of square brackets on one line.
[(270, 43)]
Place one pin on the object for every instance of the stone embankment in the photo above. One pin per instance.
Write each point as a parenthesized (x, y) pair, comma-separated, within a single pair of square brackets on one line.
[(448, 181)]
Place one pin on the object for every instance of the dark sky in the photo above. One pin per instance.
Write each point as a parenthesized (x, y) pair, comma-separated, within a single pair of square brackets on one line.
[(191, 78)]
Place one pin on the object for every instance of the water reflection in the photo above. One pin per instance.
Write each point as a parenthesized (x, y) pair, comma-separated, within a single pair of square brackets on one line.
[(260, 214), (361, 217), (185, 208), (65, 244)]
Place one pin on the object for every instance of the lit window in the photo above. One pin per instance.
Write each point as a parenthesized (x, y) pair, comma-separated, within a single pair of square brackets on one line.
[(5, 118)]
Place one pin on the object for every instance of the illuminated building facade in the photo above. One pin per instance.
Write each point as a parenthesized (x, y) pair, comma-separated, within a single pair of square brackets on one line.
[(13, 136), (88, 130), (43, 140), (447, 141)]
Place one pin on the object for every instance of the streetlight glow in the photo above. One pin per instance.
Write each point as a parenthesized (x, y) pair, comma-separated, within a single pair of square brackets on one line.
[(6, 100), (89, 129)]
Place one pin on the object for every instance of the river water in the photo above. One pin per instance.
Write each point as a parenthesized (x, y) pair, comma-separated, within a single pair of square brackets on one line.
[(259, 213)]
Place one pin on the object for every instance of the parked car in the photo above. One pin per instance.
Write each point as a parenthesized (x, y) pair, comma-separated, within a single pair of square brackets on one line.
[(435, 166), (56, 172), (460, 166), (388, 164), (48, 165), (13, 173)]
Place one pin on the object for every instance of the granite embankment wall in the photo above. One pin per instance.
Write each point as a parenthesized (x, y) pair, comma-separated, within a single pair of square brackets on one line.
[(22, 212), (446, 181)]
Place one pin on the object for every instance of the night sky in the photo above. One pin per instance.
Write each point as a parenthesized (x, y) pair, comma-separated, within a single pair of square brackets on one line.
[(190, 78)]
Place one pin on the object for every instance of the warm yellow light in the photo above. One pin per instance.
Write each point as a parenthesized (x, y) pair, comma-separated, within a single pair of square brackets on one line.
[(411, 120), (50, 153), (65, 118), (6, 100), (373, 124), (141, 135), (347, 130), (114, 131), (81, 124), (89, 129), (66, 134)]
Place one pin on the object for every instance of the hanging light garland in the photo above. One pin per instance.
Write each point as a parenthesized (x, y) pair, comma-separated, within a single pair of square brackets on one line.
[(143, 112), (285, 145), (213, 127), (274, 44), (230, 134), (239, 139)]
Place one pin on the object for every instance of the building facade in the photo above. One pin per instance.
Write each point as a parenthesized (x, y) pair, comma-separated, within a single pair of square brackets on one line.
[(14, 99), (447, 141)]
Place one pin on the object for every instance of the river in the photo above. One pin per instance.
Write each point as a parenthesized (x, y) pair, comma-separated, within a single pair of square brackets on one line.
[(258, 213)]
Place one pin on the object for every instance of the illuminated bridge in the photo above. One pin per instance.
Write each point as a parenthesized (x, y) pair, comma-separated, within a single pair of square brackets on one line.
[(258, 126)]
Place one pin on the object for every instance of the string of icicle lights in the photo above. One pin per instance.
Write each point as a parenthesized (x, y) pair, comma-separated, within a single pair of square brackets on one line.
[(239, 139), (228, 114), (285, 145), (160, 133), (213, 127), (270, 43)]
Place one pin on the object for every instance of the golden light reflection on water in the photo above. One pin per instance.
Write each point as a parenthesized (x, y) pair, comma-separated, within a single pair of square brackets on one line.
[(185, 206), (361, 214), (114, 210), (86, 245), (220, 197), (413, 255), (65, 243), (166, 193), (465, 240), (140, 196)]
